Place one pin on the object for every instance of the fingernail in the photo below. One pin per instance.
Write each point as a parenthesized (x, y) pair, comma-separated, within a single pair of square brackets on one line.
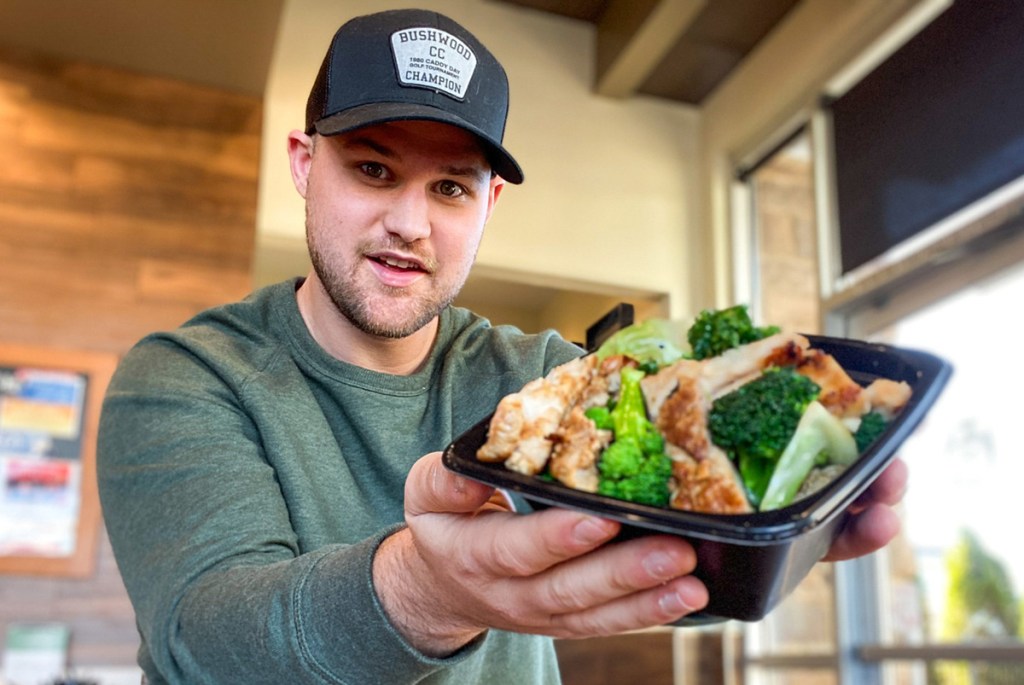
[(672, 603), (659, 565), (589, 530)]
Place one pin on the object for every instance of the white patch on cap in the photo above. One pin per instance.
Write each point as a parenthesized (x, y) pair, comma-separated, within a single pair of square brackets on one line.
[(435, 59)]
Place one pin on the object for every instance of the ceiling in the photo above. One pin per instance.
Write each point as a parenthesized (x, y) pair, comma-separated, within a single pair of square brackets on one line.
[(674, 49)]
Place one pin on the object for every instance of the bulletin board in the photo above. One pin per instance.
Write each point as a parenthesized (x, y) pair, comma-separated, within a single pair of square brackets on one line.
[(49, 505)]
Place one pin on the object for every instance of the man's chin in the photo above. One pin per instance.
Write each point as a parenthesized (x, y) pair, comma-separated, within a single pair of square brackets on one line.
[(394, 321)]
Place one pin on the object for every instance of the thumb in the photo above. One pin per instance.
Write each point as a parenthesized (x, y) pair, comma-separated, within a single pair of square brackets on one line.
[(431, 488)]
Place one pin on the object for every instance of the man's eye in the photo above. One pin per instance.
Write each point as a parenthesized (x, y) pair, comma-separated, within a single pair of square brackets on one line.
[(450, 189), (374, 170)]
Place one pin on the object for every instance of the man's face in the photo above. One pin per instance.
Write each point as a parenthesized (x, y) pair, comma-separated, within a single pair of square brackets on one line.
[(394, 216)]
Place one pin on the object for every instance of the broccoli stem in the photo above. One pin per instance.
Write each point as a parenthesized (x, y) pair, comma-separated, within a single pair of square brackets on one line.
[(817, 432), (634, 467)]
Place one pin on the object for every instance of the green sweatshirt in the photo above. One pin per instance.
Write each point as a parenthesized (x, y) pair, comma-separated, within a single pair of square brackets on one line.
[(247, 478)]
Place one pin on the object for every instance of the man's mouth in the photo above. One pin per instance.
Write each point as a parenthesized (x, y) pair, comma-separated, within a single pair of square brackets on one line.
[(396, 263), (396, 271)]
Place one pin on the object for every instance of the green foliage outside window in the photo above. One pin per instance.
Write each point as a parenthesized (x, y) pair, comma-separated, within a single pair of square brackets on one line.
[(980, 605)]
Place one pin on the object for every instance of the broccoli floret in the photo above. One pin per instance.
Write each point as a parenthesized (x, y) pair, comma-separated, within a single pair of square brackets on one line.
[(871, 426), (715, 331), (634, 466), (639, 477), (755, 422)]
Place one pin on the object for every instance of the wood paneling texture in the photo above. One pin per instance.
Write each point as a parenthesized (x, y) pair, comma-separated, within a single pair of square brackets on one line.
[(641, 658), (127, 204)]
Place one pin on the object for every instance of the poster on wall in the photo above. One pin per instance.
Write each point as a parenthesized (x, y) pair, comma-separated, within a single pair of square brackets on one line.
[(40, 460), (49, 408)]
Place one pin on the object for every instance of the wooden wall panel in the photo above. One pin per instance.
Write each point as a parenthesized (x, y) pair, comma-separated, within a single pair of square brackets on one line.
[(127, 204), (643, 658)]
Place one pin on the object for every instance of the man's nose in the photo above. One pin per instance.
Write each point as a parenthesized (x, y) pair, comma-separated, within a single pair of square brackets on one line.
[(408, 215)]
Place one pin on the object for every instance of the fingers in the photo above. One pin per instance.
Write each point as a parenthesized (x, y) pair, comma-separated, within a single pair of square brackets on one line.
[(866, 532), (430, 487), (499, 542), (508, 545), (891, 484), (549, 572), (660, 605), (619, 587)]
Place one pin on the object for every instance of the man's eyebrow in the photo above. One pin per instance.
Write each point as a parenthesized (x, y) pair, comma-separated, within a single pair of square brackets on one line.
[(364, 141), (472, 171)]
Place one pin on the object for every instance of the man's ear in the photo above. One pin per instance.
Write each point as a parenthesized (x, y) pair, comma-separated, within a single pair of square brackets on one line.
[(300, 156), (497, 185)]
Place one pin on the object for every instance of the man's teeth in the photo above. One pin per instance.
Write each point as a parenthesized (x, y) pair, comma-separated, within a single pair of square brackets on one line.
[(398, 263)]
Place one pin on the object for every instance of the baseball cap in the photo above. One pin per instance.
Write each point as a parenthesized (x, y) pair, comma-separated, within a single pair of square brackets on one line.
[(412, 64)]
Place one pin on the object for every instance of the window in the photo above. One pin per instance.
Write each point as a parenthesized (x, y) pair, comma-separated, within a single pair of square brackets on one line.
[(951, 588), (943, 604)]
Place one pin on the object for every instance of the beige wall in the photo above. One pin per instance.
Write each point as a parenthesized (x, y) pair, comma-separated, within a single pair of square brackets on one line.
[(610, 184)]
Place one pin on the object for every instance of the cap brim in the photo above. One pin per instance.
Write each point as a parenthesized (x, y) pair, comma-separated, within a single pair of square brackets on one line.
[(365, 115)]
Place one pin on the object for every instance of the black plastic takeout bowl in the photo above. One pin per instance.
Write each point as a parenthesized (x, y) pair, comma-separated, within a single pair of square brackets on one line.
[(748, 562)]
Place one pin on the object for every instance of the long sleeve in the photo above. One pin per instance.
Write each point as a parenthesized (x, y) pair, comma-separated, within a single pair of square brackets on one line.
[(247, 478), (204, 537)]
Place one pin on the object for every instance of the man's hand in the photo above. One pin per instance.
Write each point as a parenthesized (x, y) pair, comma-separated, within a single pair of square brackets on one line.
[(465, 564), (874, 523)]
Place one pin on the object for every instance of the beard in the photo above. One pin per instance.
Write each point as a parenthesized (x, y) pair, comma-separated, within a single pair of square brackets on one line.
[(376, 309)]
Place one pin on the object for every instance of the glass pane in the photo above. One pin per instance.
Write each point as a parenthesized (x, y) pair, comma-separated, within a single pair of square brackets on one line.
[(787, 295), (786, 238), (957, 572), (955, 673)]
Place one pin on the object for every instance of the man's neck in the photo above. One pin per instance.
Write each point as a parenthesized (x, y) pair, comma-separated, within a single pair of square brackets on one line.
[(343, 341)]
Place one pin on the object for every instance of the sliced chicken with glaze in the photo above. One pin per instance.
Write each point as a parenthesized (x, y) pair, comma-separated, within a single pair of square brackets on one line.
[(578, 444), (840, 394), (678, 402), (733, 368), (887, 397), (710, 485), (524, 422)]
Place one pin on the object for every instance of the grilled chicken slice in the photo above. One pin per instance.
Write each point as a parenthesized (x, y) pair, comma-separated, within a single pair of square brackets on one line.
[(840, 394), (605, 382), (733, 368), (887, 397), (578, 443), (710, 485), (678, 402), (679, 398), (523, 424)]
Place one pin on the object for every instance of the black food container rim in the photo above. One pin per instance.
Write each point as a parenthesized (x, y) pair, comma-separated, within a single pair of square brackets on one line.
[(926, 373)]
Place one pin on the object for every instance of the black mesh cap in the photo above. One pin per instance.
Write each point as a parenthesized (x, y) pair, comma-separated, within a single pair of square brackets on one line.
[(412, 64)]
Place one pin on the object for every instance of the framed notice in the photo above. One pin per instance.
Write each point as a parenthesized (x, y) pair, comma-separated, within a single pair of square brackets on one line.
[(49, 506)]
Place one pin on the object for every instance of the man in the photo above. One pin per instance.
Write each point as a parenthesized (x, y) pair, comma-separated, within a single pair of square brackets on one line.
[(261, 468)]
